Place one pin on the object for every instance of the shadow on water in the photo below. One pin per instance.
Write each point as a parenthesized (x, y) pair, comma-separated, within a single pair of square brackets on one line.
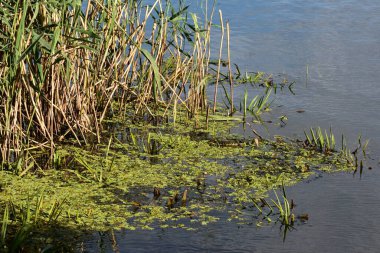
[(40, 238)]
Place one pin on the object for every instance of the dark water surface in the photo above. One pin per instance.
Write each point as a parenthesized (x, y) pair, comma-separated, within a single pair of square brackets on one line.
[(339, 42)]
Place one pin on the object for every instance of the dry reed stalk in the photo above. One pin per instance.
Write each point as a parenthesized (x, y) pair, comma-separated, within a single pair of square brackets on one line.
[(229, 69), (209, 26), (219, 60), (64, 64)]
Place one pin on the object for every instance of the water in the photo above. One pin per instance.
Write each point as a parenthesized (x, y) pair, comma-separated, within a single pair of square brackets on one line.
[(339, 42)]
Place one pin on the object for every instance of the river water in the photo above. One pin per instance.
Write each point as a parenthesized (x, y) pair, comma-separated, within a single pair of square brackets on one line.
[(331, 49)]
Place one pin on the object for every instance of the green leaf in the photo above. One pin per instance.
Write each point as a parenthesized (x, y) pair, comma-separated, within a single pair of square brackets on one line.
[(157, 76)]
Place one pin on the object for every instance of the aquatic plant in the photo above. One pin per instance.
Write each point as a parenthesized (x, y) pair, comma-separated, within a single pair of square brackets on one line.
[(257, 104), (66, 65), (323, 141), (20, 220), (4, 225), (326, 143), (193, 174), (70, 69), (285, 213)]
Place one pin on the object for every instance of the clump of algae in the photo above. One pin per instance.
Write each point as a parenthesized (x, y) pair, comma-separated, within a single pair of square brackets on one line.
[(178, 175)]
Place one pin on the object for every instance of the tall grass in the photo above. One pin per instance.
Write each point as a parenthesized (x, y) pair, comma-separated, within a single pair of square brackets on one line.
[(19, 223), (64, 65), (325, 142)]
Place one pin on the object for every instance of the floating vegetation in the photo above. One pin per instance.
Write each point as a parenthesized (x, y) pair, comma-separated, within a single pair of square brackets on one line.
[(190, 176)]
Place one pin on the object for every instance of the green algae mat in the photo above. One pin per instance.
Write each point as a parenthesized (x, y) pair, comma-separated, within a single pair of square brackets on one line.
[(182, 175)]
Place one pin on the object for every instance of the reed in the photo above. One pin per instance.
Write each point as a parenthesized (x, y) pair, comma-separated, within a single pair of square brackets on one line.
[(325, 142), (20, 222), (286, 216), (219, 60), (65, 65), (258, 104), (4, 225)]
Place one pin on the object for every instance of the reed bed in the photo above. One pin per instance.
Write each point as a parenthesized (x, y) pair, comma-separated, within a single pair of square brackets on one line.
[(66, 65)]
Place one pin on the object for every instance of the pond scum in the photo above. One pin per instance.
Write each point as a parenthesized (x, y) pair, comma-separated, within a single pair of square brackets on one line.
[(105, 124)]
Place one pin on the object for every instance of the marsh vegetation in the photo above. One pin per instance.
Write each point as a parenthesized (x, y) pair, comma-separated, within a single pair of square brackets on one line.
[(108, 121)]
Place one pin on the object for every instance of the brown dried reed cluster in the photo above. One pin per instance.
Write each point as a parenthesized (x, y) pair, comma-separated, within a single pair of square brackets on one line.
[(65, 65)]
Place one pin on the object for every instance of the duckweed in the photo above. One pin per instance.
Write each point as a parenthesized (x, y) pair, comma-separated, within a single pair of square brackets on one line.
[(172, 176)]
